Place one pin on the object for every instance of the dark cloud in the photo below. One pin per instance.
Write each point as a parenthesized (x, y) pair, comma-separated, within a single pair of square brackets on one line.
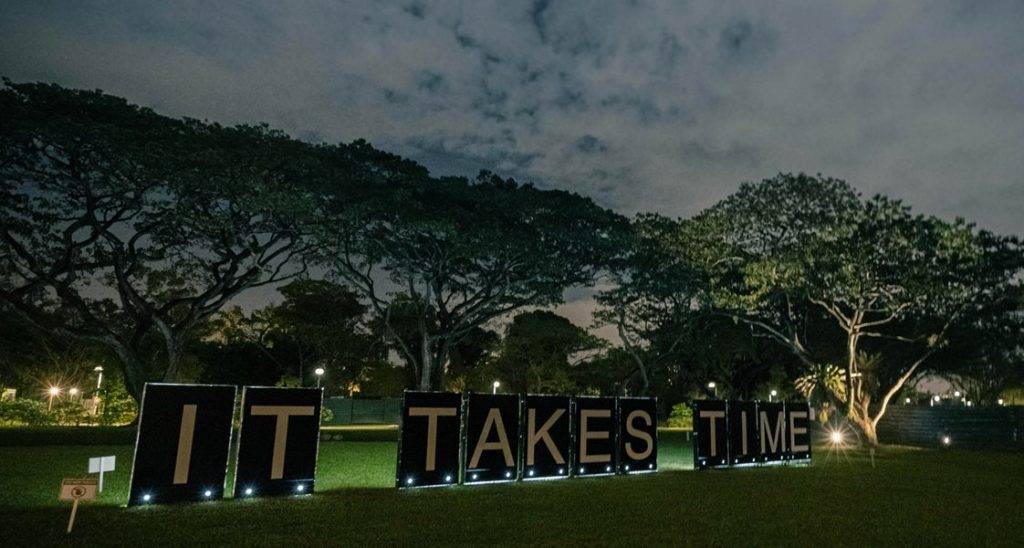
[(646, 105)]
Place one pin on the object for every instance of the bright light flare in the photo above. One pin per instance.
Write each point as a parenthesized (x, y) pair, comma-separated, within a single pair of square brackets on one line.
[(53, 391), (836, 437)]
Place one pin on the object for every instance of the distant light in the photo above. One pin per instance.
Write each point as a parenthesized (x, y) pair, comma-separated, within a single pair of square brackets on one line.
[(448, 478), (561, 470), (607, 468), (408, 481), (530, 473), (946, 440), (1000, 402), (907, 400), (475, 476), (957, 393), (300, 487), (146, 497), (650, 466), (937, 397), (319, 371), (627, 468), (582, 470), (496, 384), (712, 385), (836, 437), (775, 393), (248, 490), (970, 403), (73, 391), (98, 369), (508, 474), (54, 391), (207, 493)]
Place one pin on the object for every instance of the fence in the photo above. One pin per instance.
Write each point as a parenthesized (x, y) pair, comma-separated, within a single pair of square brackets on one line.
[(364, 411), (995, 427)]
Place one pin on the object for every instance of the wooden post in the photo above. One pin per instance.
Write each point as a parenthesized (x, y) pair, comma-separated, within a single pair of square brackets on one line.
[(74, 510)]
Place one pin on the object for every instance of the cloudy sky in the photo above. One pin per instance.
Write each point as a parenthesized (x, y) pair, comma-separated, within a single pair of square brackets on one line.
[(663, 106)]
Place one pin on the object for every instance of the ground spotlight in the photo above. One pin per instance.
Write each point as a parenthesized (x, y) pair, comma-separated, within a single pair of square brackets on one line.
[(301, 488), (836, 437), (408, 481), (946, 440), (208, 493), (248, 490), (146, 497), (448, 478)]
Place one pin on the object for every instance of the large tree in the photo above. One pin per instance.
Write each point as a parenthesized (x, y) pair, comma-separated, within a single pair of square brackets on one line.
[(461, 253), (120, 226), (794, 249), (654, 293), (542, 353)]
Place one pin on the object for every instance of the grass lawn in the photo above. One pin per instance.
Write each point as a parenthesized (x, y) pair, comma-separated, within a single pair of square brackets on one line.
[(910, 497)]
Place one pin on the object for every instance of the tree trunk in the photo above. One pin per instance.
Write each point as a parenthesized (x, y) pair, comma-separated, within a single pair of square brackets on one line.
[(173, 372), (426, 362), (133, 373), (851, 364), (867, 428)]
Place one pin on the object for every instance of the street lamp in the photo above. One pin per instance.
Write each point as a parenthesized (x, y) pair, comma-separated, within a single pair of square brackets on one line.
[(54, 391), (713, 387), (494, 387), (99, 376), (772, 394), (73, 392), (319, 374)]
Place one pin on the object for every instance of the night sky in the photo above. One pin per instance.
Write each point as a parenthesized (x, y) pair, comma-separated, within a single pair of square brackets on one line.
[(663, 106)]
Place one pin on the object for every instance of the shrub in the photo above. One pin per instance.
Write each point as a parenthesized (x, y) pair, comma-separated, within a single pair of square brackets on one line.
[(681, 416), (22, 411), (69, 412)]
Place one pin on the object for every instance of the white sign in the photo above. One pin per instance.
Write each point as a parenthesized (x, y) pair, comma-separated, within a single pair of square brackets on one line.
[(76, 489), (99, 465)]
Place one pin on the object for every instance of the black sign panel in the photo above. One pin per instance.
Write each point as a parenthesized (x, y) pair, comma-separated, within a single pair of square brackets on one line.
[(547, 444), (771, 431), (492, 438), (428, 452), (744, 442), (181, 453), (638, 435), (278, 441), (711, 433), (798, 425), (594, 431)]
